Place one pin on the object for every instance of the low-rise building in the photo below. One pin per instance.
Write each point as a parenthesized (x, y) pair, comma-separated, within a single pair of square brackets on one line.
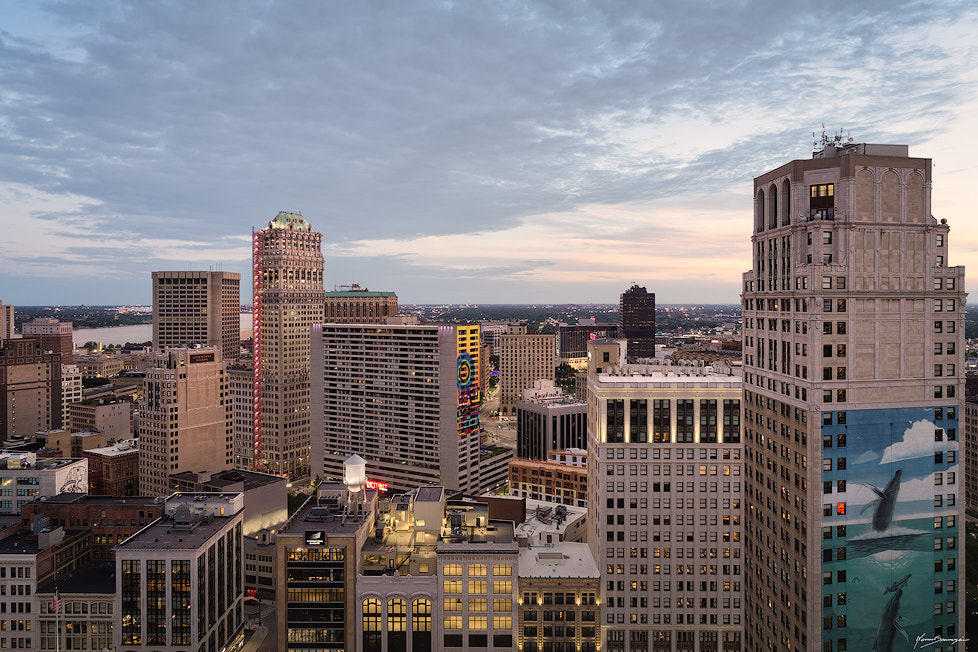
[(547, 420), (546, 524), (549, 481), (114, 470), (560, 599), (87, 617), (112, 417), (24, 477)]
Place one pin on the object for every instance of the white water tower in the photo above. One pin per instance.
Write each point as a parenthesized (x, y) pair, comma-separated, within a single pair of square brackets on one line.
[(355, 479)]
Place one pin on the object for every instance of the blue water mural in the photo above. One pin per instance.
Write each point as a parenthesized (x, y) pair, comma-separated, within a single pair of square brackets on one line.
[(889, 529)]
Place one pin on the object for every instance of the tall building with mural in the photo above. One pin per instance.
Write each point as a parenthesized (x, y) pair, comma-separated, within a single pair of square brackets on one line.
[(405, 398), (287, 262), (853, 389)]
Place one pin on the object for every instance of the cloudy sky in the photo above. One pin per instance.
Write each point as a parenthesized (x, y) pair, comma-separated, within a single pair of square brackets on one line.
[(492, 152)]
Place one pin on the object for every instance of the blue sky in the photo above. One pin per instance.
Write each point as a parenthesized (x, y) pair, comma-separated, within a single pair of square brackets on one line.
[(494, 152)]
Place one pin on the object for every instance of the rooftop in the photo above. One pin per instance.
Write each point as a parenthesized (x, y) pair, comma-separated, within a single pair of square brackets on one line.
[(222, 480), (89, 499), (286, 220), (189, 521), (325, 512), (97, 577), (558, 560), (125, 447)]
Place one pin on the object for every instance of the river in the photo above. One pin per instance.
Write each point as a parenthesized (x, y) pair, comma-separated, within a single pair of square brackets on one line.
[(137, 333)]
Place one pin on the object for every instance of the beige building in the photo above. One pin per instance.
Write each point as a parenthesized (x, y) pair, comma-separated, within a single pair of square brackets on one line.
[(185, 419), (197, 308), (241, 389), (853, 386), (560, 599), (358, 305), (71, 389), (523, 358), (6, 321), (666, 478), (288, 299), (30, 388), (53, 335), (396, 396), (111, 417)]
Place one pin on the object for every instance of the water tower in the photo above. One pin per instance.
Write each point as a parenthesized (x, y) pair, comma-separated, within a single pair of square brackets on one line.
[(355, 479)]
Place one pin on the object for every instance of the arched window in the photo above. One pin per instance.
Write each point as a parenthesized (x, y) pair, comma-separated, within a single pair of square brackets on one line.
[(421, 625), (759, 207), (372, 625), (477, 570), (773, 210), (396, 626), (786, 203)]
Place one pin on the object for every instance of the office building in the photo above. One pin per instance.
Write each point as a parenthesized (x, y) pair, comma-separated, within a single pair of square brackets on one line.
[(317, 561), (356, 305), (179, 581), (551, 480), (572, 340), (523, 358), (197, 308), (28, 559), (853, 382), (87, 617), (665, 474), (71, 389), (111, 417), (457, 568), (184, 419), (636, 310), (287, 277), (241, 388), (7, 321), (105, 520), (24, 477), (53, 335), (30, 388), (404, 397), (560, 599), (114, 470), (549, 420)]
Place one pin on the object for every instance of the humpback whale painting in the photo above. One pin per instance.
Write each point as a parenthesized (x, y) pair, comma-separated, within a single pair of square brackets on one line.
[(888, 514), (883, 514)]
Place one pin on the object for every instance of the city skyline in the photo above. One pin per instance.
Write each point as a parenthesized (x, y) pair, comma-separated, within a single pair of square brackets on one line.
[(467, 154)]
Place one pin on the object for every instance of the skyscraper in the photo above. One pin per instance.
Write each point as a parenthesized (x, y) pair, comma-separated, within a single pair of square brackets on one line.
[(665, 473), (185, 418), (523, 358), (197, 308), (636, 310), (853, 343), (30, 388), (288, 299), (404, 397)]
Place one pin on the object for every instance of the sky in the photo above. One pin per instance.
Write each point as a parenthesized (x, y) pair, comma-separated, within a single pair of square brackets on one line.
[(454, 152)]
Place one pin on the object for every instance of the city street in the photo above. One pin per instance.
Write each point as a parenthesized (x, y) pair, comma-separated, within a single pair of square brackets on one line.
[(498, 432)]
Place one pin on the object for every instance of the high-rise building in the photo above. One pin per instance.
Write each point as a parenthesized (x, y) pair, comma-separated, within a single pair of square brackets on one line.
[(665, 474), (523, 358), (197, 308), (287, 262), (636, 310), (404, 397), (6, 321), (241, 389), (71, 389), (358, 305), (53, 335), (853, 387), (30, 388), (184, 419)]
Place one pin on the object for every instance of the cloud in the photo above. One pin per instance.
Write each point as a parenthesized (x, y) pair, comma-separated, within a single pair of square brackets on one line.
[(918, 441), (195, 122)]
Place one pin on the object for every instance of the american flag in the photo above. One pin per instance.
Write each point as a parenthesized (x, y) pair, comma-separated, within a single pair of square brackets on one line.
[(56, 602)]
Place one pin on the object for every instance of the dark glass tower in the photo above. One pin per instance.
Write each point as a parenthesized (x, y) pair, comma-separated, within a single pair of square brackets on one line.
[(637, 321)]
